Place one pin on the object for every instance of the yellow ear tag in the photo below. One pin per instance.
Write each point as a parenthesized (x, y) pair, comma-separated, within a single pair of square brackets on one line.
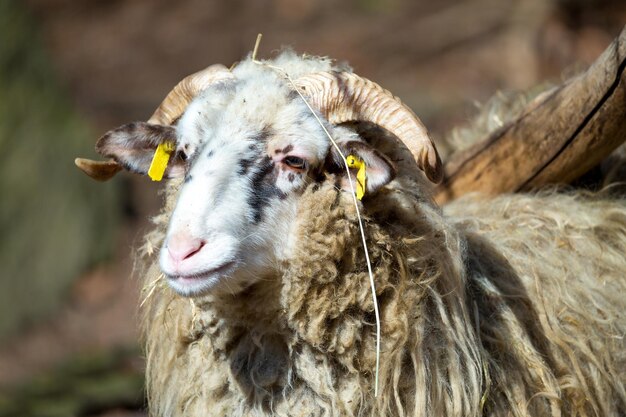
[(354, 162), (160, 159)]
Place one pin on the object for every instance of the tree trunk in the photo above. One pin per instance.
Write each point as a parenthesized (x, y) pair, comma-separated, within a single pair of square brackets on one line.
[(560, 135)]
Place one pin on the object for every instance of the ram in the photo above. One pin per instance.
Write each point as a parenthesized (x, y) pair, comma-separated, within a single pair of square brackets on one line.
[(258, 301)]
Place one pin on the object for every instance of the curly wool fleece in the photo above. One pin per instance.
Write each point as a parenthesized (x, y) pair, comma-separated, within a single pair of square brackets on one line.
[(507, 307)]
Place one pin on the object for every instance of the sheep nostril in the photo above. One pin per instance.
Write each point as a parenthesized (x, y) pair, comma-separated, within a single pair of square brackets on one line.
[(182, 247), (194, 251)]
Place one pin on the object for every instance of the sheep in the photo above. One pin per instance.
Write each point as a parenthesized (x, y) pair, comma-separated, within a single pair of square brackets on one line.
[(257, 300)]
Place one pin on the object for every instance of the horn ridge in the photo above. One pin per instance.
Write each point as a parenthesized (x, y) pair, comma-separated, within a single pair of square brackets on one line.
[(345, 96), (177, 100)]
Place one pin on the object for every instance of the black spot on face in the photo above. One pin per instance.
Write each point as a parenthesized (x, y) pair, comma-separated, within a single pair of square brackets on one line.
[(244, 165), (264, 134), (293, 95), (210, 153), (188, 178), (264, 189), (291, 177)]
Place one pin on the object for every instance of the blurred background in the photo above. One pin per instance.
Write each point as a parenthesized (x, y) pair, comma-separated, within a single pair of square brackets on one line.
[(71, 70)]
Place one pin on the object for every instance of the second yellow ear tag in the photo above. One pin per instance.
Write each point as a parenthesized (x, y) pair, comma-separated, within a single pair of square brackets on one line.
[(354, 162), (160, 159)]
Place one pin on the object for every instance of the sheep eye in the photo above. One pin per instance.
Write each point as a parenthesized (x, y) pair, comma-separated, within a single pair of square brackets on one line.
[(182, 155), (294, 162)]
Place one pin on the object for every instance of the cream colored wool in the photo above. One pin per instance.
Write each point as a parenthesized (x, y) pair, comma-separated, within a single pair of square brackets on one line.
[(512, 306)]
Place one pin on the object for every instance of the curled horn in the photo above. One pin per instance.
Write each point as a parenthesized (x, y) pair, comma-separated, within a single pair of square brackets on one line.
[(179, 98), (167, 113), (343, 97)]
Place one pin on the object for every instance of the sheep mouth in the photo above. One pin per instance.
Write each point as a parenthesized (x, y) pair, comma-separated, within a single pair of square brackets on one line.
[(200, 282), (208, 273)]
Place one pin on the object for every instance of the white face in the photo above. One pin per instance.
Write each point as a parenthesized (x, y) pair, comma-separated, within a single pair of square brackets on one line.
[(234, 216), (247, 150)]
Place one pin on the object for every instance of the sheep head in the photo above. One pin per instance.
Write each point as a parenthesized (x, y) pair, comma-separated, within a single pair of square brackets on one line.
[(246, 147)]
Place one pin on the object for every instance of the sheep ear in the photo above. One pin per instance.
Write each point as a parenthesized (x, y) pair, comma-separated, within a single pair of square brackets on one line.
[(133, 146), (379, 170)]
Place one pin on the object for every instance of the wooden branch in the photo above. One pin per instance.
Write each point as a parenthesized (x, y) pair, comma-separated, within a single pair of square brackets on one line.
[(560, 135)]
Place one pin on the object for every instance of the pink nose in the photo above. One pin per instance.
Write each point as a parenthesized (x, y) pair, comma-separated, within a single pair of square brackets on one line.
[(182, 246)]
